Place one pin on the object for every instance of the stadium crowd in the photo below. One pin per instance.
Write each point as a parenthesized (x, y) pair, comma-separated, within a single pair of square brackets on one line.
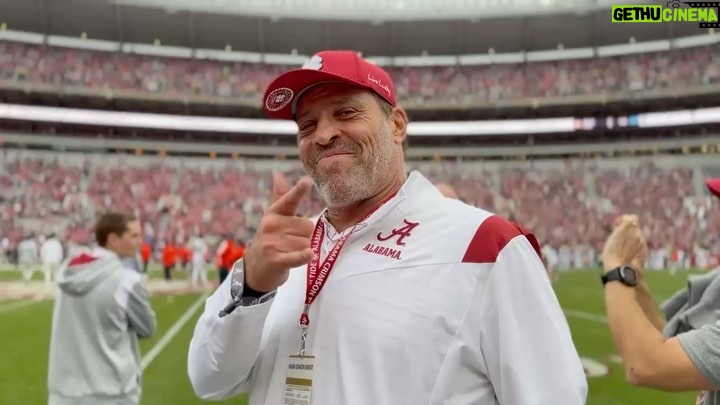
[(570, 210), (677, 69)]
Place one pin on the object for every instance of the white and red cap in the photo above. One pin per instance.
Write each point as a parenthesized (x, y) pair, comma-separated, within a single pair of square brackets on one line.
[(348, 67), (714, 186)]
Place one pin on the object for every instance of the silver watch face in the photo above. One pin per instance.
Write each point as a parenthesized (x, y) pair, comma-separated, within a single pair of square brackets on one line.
[(628, 275)]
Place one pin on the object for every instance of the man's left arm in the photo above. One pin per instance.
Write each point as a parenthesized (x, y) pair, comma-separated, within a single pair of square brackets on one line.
[(526, 341), (140, 314), (650, 359), (648, 305)]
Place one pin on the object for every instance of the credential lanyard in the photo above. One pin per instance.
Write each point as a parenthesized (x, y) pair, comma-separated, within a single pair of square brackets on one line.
[(317, 274)]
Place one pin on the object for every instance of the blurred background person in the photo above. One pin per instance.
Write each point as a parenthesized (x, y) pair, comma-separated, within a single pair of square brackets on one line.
[(218, 258), (145, 255), (169, 259), (101, 311), (51, 255), (447, 190), (184, 255), (27, 256), (198, 273), (228, 252), (550, 258)]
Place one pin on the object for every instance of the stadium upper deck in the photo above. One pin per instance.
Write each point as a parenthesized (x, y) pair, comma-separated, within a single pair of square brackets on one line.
[(375, 27), (563, 201), (55, 69), (150, 81)]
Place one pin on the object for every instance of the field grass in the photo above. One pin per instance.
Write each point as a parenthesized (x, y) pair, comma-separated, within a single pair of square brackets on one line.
[(25, 333)]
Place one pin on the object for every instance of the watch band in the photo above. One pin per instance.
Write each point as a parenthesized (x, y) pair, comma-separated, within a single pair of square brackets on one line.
[(612, 275), (625, 274), (241, 295)]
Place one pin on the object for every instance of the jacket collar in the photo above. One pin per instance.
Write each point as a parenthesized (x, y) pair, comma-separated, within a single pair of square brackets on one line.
[(101, 252)]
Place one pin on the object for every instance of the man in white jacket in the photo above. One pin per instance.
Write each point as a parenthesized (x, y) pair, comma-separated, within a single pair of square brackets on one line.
[(394, 295), (28, 256), (51, 255), (198, 272)]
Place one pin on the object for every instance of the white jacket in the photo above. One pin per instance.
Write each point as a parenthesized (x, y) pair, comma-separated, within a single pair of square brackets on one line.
[(199, 249), (51, 251), (463, 313), (28, 252)]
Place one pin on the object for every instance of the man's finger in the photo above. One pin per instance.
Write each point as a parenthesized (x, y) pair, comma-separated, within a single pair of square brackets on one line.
[(289, 203), (295, 259), (280, 186)]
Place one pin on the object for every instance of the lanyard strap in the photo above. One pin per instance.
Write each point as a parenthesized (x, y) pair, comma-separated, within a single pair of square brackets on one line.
[(317, 274)]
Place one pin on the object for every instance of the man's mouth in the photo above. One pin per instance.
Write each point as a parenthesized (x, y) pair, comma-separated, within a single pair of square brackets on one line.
[(333, 153)]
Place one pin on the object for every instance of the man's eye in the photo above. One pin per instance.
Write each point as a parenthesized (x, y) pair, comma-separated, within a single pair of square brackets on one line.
[(307, 126), (346, 112)]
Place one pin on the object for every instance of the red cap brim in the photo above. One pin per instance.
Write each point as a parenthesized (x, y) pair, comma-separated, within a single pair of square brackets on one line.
[(714, 186), (296, 81)]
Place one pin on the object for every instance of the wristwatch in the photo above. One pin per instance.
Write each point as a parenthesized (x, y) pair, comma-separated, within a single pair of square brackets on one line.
[(241, 295), (625, 274)]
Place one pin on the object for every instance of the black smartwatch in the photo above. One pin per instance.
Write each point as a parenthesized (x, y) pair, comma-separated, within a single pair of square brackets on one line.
[(625, 274)]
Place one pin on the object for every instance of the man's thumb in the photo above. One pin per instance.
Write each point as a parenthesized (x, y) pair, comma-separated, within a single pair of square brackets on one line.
[(289, 203)]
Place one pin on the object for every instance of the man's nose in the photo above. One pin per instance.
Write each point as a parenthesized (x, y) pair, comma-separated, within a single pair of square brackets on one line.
[(325, 132)]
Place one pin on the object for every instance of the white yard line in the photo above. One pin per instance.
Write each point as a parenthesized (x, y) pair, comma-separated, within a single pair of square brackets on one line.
[(588, 316), (12, 306), (174, 330)]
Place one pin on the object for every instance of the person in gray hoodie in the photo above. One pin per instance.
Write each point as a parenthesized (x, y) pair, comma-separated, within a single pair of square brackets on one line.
[(101, 310)]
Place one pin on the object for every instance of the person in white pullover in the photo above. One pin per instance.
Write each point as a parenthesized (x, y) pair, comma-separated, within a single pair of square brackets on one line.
[(198, 272), (28, 258), (51, 255)]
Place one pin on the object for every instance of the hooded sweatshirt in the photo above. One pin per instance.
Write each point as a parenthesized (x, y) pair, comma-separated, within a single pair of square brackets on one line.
[(101, 310)]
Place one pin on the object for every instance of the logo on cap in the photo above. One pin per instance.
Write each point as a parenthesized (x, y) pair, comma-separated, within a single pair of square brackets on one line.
[(278, 99), (315, 63)]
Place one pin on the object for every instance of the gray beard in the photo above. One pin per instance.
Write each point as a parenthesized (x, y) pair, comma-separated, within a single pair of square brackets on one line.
[(342, 189)]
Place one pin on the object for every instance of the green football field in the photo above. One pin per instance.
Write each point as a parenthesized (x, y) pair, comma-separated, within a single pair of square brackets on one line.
[(25, 334)]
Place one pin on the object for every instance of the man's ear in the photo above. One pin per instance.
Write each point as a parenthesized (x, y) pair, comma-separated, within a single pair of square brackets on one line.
[(112, 238), (400, 123)]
